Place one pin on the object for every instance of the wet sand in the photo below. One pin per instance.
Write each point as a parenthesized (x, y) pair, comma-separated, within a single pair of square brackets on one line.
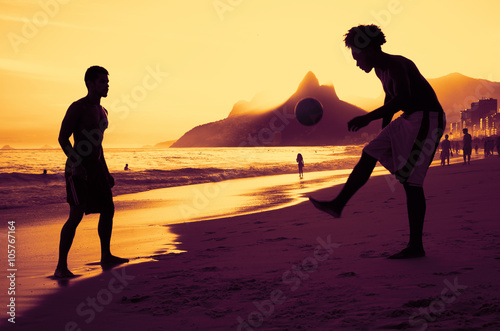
[(140, 225)]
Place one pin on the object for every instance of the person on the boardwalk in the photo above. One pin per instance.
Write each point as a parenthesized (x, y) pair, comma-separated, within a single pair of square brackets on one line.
[(406, 146), (300, 163), (467, 146), (88, 181), (445, 150)]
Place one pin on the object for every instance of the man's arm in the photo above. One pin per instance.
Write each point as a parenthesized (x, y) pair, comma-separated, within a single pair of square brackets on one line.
[(68, 126), (401, 90), (386, 112)]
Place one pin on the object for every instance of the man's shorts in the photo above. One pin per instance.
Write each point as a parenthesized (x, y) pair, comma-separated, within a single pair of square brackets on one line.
[(407, 145), (92, 192)]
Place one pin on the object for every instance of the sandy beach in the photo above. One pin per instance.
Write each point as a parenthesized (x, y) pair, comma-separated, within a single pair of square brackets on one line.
[(295, 268)]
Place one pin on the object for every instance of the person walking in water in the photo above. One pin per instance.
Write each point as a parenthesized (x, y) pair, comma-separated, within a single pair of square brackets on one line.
[(88, 181), (300, 162), (405, 146)]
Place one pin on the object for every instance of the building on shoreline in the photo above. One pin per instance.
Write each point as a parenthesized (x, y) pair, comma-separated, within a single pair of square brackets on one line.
[(482, 119)]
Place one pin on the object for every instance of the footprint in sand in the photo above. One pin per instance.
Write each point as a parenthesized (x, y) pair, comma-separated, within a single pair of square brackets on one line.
[(138, 298), (450, 273), (347, 274), (215, 239), (276, 239), (369, 255), (419, 303), (209, 269), (425, 285), (218, 249)]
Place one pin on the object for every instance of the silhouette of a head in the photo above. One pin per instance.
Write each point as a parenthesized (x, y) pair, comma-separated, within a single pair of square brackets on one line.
[(93, 73), (465, 130), (96, 80), (364, 36), (364, 42)]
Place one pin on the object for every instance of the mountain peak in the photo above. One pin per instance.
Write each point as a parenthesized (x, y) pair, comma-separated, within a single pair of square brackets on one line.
[(309, 81)]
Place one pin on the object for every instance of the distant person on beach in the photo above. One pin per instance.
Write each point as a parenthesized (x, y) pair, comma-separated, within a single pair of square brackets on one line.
[(457, 147), (491, 146), (445, 150), (126, 167), (476, 148), (88, 181), (467, 146), (485, 148), (405, 146), (300, 162)]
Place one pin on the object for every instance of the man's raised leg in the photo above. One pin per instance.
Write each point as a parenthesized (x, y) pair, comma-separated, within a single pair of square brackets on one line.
[(358, 177)]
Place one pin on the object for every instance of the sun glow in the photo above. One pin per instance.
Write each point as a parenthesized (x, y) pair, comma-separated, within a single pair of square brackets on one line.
[(174, 65)]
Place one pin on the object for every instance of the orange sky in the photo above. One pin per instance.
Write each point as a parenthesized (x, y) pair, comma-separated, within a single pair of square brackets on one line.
[(177, 64)]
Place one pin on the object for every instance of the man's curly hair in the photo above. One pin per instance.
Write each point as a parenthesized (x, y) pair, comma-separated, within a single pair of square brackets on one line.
[(363, 36)]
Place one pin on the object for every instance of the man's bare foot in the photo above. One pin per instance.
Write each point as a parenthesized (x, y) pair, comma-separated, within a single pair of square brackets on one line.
[(328, 207), (113, 260), (409, 253), (63, 273)]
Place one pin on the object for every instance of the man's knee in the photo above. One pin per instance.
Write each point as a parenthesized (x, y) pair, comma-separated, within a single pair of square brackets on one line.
[(367, 160), (413, 191), (108, 211), (76, 212)]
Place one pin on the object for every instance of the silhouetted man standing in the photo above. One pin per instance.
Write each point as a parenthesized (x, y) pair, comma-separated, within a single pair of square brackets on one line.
[(467, 146), (406, 146), (445, 150), (88, 181)]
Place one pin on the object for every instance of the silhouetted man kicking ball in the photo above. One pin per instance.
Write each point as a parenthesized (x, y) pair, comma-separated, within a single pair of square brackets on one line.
[(405, 146), (88, 181)]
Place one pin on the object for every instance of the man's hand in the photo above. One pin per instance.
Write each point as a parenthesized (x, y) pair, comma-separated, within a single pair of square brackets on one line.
[(357, 123)]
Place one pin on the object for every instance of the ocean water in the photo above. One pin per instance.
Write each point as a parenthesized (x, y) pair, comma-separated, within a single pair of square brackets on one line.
[(22, 182)]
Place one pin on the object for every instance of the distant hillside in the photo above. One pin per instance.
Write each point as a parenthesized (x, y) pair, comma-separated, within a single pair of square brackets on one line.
[(455, 92), (164, 144), (7, 147), (248, 125)]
